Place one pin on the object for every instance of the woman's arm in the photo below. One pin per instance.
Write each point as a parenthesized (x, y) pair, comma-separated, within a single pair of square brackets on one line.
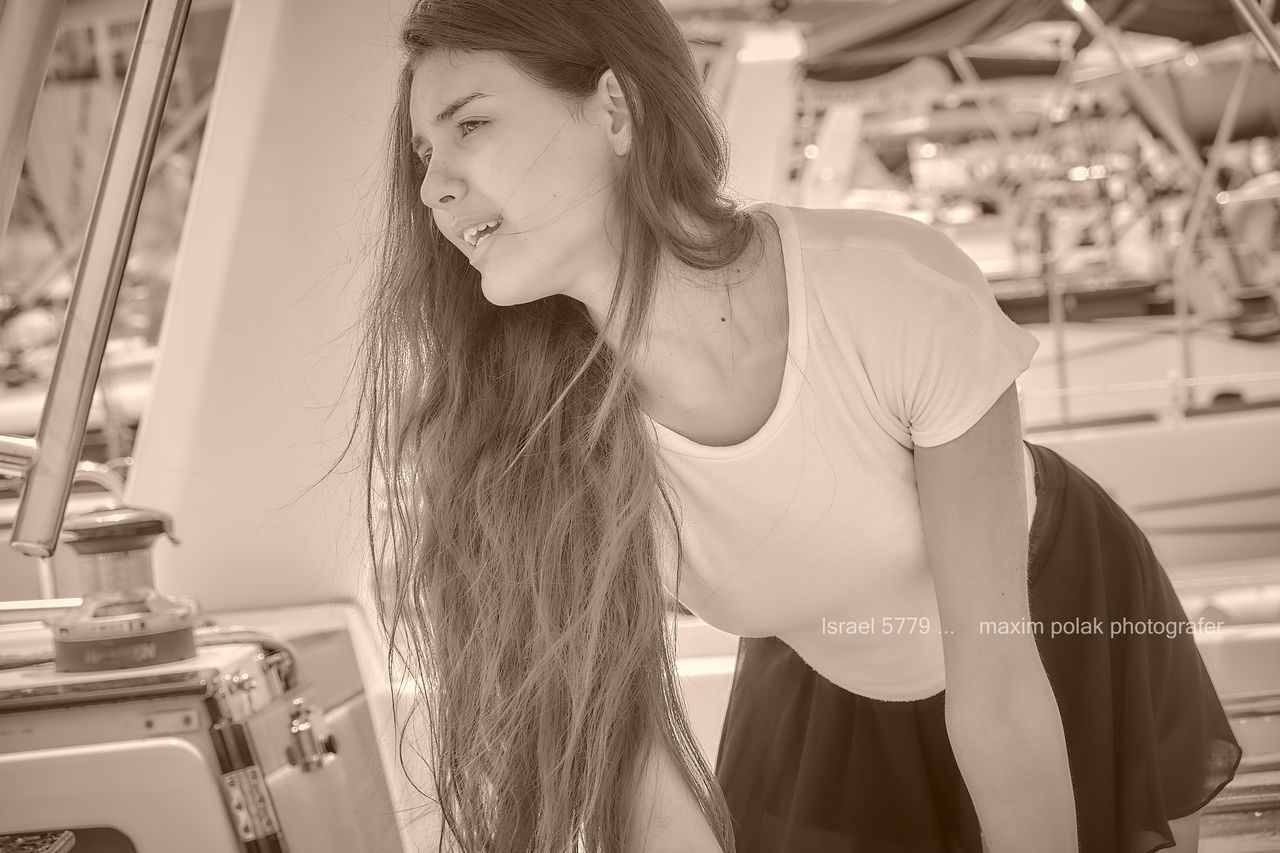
[(1002, 718), (666, 816)]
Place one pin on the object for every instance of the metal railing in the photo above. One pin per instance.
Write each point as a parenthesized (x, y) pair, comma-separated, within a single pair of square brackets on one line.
[(1180, 403), (48, 464), (27, 32)]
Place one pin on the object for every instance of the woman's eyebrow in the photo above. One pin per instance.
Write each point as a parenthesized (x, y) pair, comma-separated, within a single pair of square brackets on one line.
[(458, 103)]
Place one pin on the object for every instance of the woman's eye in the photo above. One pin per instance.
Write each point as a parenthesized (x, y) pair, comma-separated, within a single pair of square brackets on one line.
[(466, 128)]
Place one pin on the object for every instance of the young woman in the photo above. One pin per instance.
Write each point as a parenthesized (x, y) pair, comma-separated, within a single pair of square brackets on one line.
[(595, 383)]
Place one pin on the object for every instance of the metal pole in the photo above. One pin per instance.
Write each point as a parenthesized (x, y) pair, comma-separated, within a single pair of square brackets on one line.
[(1054, 300), (1167, 124), (1259, 21), (969, 75), (37, 610), (186, 126), (1204, 196), (16, 454), (110, 232), (1028, 164), (27, 32)]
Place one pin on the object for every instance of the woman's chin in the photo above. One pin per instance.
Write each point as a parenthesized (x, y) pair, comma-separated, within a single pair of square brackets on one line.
[(502, 293)]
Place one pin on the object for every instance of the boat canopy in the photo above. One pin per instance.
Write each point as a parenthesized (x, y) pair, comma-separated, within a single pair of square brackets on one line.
[(855, 40)]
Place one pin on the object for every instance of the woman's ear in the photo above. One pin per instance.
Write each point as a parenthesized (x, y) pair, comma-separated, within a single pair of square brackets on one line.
[(609, 93)]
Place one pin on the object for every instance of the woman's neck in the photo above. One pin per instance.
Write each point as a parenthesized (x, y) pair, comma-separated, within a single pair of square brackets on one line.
[(712, 323)]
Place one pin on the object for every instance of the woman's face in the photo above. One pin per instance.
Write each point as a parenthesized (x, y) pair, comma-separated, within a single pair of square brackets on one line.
[(500, 147)]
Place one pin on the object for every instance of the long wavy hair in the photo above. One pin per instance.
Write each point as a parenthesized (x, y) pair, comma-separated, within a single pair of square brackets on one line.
[(515, 503)]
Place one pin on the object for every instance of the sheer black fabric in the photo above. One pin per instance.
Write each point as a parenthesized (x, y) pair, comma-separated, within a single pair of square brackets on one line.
[(808, 767)]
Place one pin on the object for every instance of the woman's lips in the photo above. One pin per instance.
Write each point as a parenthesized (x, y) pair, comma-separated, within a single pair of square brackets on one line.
[(485, 240)]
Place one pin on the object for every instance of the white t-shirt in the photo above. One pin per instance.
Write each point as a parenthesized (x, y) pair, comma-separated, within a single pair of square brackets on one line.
[(895, 339)]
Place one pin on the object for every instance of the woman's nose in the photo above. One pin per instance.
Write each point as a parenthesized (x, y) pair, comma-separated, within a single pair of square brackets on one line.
[(440, 188)]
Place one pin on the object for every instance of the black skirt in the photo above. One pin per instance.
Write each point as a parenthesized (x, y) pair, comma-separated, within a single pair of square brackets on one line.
[(809, 767)]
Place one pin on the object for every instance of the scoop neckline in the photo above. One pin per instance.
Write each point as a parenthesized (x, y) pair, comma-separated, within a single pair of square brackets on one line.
[(797, 340)]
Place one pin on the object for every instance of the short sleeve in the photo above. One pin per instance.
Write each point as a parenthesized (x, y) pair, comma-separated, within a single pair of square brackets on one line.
[(937, 349)]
